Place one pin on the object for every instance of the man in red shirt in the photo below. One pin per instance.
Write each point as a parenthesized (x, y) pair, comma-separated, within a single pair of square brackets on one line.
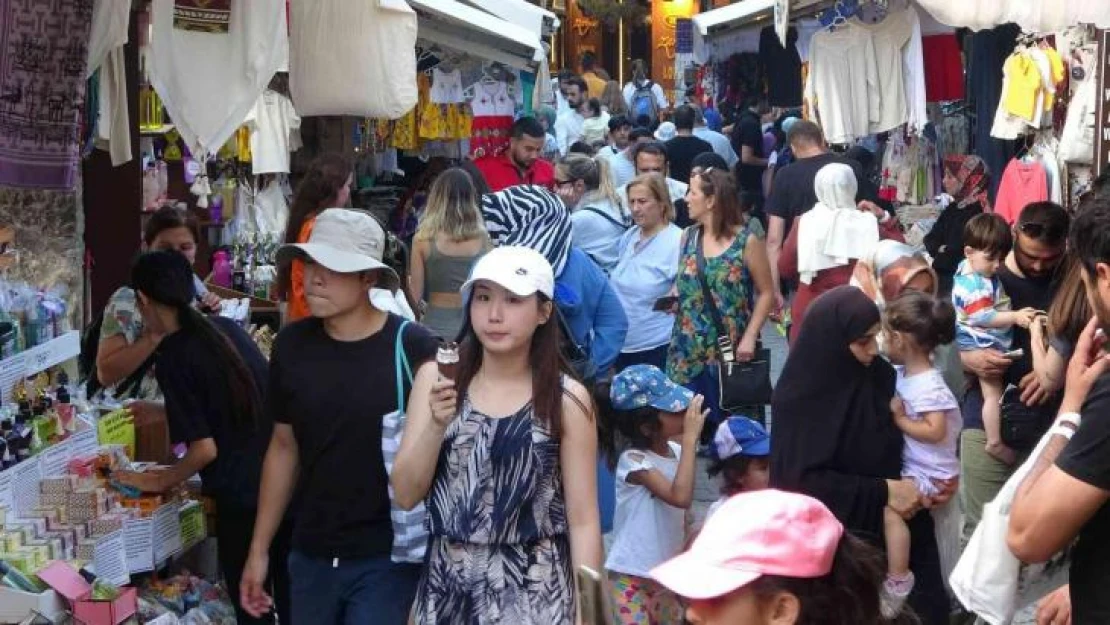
[(521, 163)]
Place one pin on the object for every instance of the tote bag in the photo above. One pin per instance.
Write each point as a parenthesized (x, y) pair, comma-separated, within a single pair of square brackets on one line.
[(989, 580), (352, 57), (410, 538)]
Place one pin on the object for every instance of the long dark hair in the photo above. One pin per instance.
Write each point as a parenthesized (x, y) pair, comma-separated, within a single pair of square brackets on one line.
[(166, 278), (546, 359), (1070, 311), (321, 184), (848, 594), (620, 429)]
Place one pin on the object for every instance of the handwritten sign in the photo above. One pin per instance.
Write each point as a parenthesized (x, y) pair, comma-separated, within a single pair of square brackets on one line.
[(166, 533), (140, 550), (117, 428)]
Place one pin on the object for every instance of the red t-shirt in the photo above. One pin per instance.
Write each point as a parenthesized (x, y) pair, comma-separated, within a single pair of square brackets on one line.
[(501, 172)]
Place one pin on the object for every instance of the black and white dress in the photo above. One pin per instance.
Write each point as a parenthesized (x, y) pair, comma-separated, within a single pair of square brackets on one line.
[(499, 550)]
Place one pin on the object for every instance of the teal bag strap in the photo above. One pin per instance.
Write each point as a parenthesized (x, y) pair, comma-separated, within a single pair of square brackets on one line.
[(401, 363)]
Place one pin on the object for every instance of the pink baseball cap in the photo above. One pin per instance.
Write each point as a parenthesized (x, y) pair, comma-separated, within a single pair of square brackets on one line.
[(766, 532)]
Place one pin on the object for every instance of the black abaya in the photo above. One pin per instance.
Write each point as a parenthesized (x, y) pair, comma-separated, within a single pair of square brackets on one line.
[(834, 438)]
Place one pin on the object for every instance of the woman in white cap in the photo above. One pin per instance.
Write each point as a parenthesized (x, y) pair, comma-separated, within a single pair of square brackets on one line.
[(507, 462)]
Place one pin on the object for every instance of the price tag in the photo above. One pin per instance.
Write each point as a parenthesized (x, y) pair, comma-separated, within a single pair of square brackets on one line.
[(117, 428), (55, 459), (110, 559), (84, 442)]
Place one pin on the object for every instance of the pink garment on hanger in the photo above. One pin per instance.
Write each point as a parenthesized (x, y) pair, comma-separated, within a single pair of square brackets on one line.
[(1022, 184)]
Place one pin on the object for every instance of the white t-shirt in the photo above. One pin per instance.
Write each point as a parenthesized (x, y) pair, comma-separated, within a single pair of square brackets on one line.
[(272, 122), (889, 38), (924, 462), (844, 82), (647, 532)]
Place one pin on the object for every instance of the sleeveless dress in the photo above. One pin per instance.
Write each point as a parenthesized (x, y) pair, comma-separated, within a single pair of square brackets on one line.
[(499, 552)]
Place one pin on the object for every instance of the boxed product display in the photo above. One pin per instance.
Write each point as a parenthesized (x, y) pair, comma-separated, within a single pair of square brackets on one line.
[(92, 604)]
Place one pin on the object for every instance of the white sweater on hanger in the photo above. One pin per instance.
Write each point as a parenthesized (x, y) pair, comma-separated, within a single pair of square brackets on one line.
[(844, 83)]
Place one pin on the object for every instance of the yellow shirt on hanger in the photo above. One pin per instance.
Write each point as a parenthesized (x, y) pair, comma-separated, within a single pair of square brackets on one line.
[(1058, 73), (1024, 85)]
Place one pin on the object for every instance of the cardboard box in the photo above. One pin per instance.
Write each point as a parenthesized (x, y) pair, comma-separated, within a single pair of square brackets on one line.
[(69, 583)]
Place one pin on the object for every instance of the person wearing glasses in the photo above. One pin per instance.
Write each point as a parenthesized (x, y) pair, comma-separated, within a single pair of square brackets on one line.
[(1029, 275), (598, 220)]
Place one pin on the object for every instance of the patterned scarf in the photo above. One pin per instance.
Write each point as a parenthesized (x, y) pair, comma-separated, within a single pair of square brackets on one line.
[(530, 216), (974, 182)]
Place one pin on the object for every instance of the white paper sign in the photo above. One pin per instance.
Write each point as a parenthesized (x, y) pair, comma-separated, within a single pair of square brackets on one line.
[(140, 553), (26, 477), (55, 459), (6, 489), (84, 443), (166, 533), (110, 559), (12, 371)]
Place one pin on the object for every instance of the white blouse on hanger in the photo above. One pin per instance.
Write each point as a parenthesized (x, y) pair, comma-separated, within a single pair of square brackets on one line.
[(492, 100), (844, 82), (446, 87), (889, 37)]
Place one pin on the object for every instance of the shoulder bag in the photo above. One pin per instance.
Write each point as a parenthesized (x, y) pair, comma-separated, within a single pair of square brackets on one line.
[(741, 384), (410, 537)]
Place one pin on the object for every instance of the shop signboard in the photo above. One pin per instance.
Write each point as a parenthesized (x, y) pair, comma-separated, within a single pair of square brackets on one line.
[(1102, 122)]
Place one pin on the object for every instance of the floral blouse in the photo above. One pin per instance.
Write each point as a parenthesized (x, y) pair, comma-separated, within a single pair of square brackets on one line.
[(694, 340), (121, 316)]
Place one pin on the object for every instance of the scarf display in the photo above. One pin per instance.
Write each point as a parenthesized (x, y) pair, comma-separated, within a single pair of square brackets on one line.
[(42, 90), (530, 216)]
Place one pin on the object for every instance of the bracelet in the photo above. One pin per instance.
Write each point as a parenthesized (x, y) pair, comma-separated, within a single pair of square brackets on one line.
[(1062, 430), (1073, 418)]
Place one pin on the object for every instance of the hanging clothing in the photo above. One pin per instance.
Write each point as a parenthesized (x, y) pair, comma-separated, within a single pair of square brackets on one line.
[(889, 37), (492, 107), (844, 83), (351, 58), (272, 123), (987, 52), (188, 67), (1022, 183), (446, 87), (944, 68), (915, 73), (782, 67)]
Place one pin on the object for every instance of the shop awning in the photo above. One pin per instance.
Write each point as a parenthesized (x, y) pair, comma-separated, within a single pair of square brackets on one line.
[(456, 25), (522, 13), (1036, 16), (731, 17)]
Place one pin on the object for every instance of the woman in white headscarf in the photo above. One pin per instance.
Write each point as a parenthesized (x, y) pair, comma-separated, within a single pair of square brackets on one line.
[(822, 249)]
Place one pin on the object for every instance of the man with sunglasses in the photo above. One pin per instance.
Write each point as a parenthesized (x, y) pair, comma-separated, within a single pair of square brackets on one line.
[(1029, 277)]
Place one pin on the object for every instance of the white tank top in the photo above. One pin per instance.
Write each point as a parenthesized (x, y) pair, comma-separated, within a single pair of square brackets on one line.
[(492, 100), (446, 87)]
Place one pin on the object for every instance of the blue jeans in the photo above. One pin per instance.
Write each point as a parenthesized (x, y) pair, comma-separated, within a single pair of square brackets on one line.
[(351, 592)]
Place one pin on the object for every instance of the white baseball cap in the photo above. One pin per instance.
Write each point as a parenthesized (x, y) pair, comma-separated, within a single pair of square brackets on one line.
[(345, 241), (521, 270), (666, 131)]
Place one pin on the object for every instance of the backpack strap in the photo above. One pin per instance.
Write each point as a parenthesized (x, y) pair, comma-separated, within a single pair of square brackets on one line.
[(606, 216)]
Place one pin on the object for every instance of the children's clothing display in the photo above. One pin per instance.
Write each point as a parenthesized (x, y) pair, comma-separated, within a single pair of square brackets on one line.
[(187, 68), (493, 108), (1022, 183), (1030, 77), (909, 170), (444, 116), (446, 87), (272, 123)]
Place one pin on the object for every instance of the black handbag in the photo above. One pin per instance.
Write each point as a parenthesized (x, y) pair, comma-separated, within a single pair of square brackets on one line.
[(741, 384), (1022, 426)]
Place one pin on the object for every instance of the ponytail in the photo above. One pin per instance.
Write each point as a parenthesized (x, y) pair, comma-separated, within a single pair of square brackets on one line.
[(243, 391), (929, 320)]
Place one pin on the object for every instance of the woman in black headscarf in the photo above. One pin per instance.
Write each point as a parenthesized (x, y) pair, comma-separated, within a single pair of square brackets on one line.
[(835, 439)]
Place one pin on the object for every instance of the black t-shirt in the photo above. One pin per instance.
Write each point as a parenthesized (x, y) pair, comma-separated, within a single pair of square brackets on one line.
[(1087, 458), (1024, 293), (792, 193), (194, 382), (681, 152), (748, 132), (334, 395), (781, 66)]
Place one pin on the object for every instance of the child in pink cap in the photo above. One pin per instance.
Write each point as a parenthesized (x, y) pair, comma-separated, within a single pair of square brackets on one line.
[(772, 557)]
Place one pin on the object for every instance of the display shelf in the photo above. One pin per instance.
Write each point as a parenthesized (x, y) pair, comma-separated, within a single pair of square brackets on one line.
[(154, 132), (38, 359)]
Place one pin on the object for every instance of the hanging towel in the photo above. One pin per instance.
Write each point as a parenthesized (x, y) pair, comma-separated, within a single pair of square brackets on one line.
[(834, 232), (109, 31), (209, 81), (352, 57)]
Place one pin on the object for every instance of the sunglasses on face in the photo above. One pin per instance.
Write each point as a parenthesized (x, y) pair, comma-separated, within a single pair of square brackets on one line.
[(1043, 232)]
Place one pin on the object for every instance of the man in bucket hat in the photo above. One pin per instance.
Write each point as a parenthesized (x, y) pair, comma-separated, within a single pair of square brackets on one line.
[(327, 440)]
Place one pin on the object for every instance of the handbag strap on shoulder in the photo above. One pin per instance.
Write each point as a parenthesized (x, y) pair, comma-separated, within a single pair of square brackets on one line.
[(402, 370), (724, 342)]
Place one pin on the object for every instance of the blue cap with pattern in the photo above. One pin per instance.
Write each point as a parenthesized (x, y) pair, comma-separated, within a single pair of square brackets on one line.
[(645, 385)]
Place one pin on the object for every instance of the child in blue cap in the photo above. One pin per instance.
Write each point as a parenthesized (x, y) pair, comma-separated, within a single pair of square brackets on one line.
[(655, 485), (741, 455)]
